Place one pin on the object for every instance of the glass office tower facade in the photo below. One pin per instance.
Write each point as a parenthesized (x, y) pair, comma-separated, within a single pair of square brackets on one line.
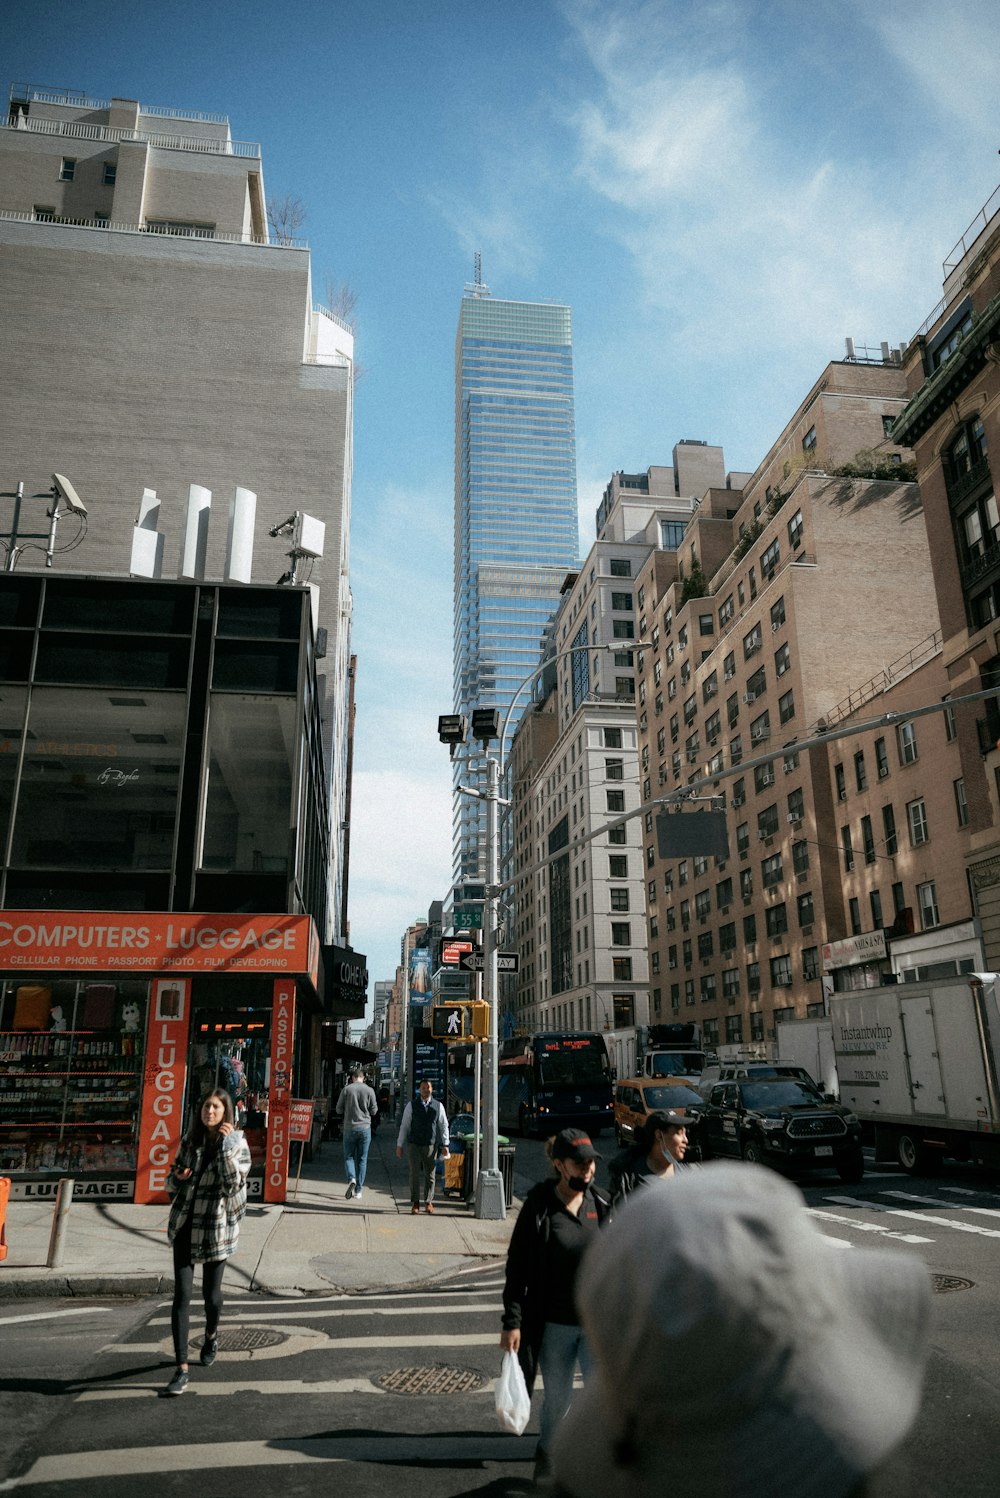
[(515, 511)]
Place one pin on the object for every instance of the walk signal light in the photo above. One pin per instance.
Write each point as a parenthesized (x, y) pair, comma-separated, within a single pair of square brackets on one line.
[(451, 1022), (460, 1020)]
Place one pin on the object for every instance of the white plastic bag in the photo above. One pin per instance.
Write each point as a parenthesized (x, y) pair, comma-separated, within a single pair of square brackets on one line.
[(513, 1403)]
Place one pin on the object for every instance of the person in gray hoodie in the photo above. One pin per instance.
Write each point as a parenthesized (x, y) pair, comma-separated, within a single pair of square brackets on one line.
[(357, 1107)]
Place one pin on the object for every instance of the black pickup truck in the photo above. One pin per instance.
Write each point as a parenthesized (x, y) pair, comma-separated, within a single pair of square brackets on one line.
[(783, 1123)]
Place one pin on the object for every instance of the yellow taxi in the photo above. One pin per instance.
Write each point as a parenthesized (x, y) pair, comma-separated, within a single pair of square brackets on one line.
[(637, 1097)]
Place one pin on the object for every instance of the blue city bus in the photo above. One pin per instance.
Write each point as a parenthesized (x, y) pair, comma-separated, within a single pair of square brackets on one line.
[(554, 1079)]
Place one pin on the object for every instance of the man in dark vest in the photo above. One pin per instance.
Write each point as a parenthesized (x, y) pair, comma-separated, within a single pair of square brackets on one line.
[(423, 1132)]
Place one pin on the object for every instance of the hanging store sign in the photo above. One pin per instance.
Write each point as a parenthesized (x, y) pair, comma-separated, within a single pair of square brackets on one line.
[(162, 1121), (73, 940), (279, 1100)]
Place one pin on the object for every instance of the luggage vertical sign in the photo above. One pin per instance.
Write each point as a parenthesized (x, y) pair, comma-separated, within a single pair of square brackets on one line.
[(162, 1122), (279, 1103)]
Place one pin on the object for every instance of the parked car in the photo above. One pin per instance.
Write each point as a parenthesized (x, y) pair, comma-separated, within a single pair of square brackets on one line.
[(751, 1071), (784, 1123), (637, 1097)]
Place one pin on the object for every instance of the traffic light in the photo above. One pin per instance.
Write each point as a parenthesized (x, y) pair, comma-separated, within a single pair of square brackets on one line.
[(451, 1021), (479, 1020)]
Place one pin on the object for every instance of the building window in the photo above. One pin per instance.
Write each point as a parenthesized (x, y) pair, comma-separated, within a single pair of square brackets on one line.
[(767, 821), (950, 726), (840, 782), (621, 933), (771, 871), (743, 838), (916, 815), (752, 642), (753, 977), (619, 897), (776, 919), (868, 839), (861, 778), (760, 728), (781, 972), (786, 707), (67, 171), (782, 660), (845, 838), (795, 530), (810, 963), (612, 738), (617, 834), (706, 624), (616, 800), (614, 769), (796, 806), (622, 602), (881, 759), (763, 776), (727, 937), (961, 805), (621, 969), (889, 828), (756, 1025), (809, 441), (769, 559), (109, 173), (804, 905), (620, 567), (800, 856), (729, 667), (750, 929), (927, 902), (705, 945), (726, 611), (875, 900), (906, 737), (731, 984), (724, 894), (854, 912), (777, 615)]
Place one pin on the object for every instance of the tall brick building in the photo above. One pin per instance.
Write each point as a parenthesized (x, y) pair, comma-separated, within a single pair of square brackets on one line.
[(952, 422), (761, 626)]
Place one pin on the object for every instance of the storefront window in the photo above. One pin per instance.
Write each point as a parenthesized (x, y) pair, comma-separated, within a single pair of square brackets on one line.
[(71, 1066), (248, 811), (100, 779), (11, 734)]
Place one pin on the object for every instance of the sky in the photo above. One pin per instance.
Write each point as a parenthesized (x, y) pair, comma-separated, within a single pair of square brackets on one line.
[(722, 190)]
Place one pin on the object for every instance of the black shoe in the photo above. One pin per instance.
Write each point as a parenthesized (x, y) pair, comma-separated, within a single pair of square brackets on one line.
[(209, 1352), (178, 1383)]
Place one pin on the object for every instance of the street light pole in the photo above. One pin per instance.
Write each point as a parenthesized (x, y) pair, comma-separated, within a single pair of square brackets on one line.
[(490, 1198)]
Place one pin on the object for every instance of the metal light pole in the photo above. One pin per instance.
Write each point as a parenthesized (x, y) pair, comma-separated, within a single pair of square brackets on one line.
[(490, 1200)]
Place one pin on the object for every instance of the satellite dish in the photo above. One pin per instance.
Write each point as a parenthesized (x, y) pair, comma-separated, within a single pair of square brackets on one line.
[(64, 490)]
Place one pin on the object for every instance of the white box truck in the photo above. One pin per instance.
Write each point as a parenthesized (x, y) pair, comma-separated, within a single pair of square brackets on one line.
[(920, 1062), (809, 1043)]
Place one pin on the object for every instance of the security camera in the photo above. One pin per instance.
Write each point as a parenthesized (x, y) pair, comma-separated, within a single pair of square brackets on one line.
[(63, 489)]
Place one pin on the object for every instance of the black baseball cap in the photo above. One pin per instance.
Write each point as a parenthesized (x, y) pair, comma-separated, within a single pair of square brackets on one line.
[(573, 1144)]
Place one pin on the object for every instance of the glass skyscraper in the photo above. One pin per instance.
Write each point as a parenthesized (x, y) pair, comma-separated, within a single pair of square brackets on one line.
[(515, 511)]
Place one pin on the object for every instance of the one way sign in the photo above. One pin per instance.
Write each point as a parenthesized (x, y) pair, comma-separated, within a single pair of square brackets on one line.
[(507, 962)]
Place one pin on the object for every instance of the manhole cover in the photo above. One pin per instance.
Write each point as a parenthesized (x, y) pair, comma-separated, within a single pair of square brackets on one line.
[(248, 1338), (943, 1283), (437, 1379)]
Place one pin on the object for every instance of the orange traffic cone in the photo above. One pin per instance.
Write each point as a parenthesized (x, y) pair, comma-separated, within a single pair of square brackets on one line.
[(4, 1199)]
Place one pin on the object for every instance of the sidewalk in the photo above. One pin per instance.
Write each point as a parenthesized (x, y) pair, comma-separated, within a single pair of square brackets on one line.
[(317, 1243)]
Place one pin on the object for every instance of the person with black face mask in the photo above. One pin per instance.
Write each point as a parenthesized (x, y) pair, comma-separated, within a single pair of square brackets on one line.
[(556, 1225), (657, 1155)]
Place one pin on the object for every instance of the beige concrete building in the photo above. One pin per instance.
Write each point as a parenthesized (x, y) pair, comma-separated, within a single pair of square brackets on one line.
[(952, 421), (154, 339), (775, 615)]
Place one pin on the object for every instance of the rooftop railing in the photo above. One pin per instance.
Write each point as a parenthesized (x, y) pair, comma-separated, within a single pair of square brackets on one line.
[(76, 99), (78, 130), (888, 677), (116, 227)]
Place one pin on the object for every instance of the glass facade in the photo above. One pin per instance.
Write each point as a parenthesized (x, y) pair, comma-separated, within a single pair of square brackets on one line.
[(515, 509)]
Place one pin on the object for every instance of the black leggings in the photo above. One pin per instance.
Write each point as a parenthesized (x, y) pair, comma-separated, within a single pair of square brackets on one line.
[(211, 1289)]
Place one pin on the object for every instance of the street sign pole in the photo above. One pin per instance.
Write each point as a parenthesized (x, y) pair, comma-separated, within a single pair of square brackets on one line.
[(490, 1201)]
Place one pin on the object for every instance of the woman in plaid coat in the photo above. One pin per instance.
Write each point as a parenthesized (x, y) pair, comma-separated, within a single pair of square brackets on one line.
[(207, 1184)]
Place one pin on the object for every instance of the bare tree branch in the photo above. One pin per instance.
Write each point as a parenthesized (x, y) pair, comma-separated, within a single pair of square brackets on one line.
[(285, 217)]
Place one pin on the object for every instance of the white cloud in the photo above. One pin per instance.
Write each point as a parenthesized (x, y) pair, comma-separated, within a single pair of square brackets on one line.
[(951, 51)]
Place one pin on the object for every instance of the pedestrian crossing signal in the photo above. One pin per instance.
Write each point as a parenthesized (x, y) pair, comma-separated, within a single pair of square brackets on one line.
[(451, 1022), (460, 1021)]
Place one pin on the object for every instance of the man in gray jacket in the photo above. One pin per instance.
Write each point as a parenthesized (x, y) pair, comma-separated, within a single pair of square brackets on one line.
[(423, 1131), (357, 1106)]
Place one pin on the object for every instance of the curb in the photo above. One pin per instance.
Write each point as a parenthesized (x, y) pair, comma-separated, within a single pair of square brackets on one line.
[(24, 1286)]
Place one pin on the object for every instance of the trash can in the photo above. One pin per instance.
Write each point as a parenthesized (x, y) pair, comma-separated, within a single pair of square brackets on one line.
[(505, 1152)]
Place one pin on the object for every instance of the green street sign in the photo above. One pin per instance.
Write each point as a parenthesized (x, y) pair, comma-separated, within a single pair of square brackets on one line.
[(468, 920)]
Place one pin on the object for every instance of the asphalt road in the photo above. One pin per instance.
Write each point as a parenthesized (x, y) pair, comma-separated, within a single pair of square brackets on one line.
[(396, 1388)]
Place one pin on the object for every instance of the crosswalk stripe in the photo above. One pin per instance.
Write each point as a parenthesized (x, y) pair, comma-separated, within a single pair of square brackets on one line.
[(255, 1314), (867, 1227), (922, 1217), (419, 1338), (270, 1388), (84, 1466), (936, 1201), (51, 1315)]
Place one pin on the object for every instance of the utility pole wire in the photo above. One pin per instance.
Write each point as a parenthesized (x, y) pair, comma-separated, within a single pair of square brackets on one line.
[(690, 791)]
